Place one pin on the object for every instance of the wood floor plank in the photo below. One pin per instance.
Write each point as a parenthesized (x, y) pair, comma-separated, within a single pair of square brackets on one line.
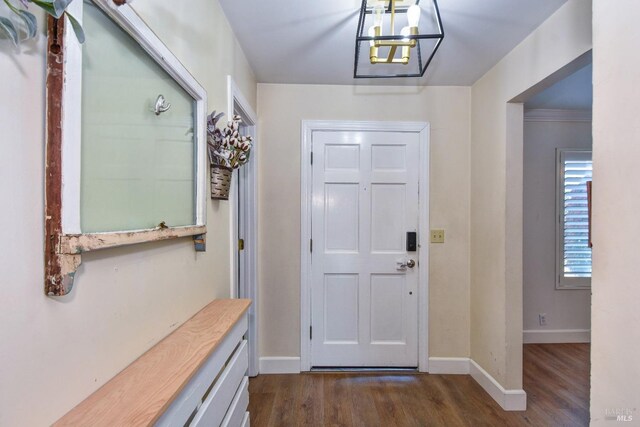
[(446, 410), (364, 411), (556, 379), (472, 407), (415, 401), (389, 405), (261, 408), (337, 396), (310, 410), (286, 392)]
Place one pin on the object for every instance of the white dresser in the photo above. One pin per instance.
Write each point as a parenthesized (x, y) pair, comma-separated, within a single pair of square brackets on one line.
[(196, 376), (218, 394)]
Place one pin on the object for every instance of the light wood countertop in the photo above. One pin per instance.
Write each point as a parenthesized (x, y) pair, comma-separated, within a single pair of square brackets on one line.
[(139, 394)]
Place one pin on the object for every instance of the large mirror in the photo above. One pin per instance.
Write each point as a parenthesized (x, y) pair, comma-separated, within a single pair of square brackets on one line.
[(126, 140)]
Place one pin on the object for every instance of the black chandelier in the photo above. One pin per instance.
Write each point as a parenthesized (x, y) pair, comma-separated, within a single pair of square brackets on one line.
[(397, 38)]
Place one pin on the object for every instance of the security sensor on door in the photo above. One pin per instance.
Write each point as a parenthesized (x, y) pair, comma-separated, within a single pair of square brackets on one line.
[(412, 241)]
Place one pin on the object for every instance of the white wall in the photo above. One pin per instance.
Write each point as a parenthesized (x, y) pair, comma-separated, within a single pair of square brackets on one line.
[(565, 309), (281, 109), (55, 352), (615, 348), (496, 186)]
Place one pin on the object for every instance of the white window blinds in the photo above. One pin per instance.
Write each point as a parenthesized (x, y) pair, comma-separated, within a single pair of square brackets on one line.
[(574, 253)]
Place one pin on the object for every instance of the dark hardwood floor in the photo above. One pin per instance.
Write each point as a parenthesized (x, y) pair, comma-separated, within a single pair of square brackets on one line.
[(556, 379)]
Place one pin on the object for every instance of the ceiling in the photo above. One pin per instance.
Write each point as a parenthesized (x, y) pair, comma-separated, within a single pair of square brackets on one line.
[(574, 92), (313, 42)]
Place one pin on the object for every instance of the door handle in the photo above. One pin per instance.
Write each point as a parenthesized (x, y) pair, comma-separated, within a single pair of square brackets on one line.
[(402, 265)]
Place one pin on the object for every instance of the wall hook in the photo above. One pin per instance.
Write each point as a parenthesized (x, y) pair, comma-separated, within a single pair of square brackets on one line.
[(161, 105)]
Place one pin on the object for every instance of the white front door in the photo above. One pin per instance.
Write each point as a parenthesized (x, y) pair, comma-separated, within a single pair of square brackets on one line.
[(364, 297)]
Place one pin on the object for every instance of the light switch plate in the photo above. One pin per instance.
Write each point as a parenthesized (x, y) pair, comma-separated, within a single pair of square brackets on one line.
[(437, 236)]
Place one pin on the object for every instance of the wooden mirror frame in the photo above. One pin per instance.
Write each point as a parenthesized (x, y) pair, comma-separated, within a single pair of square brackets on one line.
[(64, 242)]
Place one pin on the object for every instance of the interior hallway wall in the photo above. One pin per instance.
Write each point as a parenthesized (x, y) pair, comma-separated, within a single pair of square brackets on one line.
[(281, 109), (615, 336), (496, 187), (55, 352)]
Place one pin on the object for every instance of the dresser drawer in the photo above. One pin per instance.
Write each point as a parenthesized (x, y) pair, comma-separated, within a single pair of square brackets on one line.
[(190, 399), (245, 420), (239, 405), (216, 405)]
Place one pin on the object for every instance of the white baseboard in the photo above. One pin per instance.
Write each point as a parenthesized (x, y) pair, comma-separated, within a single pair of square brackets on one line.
[(556, 336), (509, 400), (449, 365), (279, 365)]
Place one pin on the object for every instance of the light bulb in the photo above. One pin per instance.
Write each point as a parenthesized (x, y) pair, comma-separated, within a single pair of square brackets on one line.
[(372, 33), (406, 50), (406, 31), (373, 50), (378, 14), (413, 15)]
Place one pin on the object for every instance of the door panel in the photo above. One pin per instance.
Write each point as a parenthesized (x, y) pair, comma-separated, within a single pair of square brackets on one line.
[(342, 157), (387, 301), (388, 218), (341, 308), (388, 157), (365, 199), (341, 217)]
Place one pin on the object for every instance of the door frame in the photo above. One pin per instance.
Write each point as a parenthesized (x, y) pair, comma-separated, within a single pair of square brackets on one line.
[(236, 101), (306, 199)]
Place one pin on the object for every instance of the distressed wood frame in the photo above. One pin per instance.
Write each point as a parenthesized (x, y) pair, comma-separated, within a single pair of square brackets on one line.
[(64, 241)]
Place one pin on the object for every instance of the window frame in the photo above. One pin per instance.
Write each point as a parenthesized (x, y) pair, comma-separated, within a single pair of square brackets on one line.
[(64, 240), (563, 282)]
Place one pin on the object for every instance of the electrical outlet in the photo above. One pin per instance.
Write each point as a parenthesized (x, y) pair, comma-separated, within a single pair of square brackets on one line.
[(437, 236), (542, 317)]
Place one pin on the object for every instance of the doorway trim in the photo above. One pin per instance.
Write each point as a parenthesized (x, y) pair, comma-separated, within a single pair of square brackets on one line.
[(514, 220), (306, 196), (236, 101)]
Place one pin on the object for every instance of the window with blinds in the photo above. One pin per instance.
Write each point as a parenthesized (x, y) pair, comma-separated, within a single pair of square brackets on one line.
[(574, 253)]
